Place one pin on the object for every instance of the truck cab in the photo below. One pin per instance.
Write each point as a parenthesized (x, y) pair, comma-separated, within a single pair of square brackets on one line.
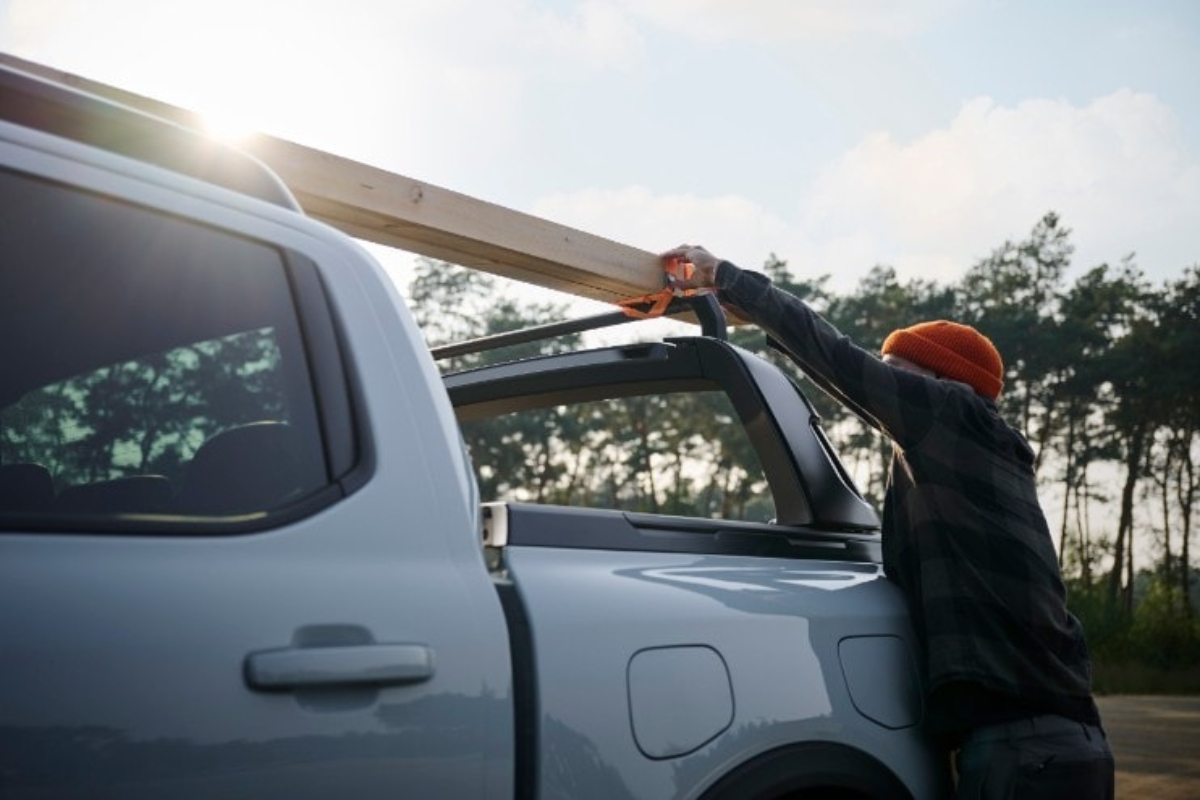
[(253, 543), (239, 552)]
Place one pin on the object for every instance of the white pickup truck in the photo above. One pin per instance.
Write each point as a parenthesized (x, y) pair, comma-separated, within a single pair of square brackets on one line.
[(244, 551)]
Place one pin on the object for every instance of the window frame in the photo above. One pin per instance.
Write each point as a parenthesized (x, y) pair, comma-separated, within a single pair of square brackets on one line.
[(336, 403), (583, 397), (643, 369)]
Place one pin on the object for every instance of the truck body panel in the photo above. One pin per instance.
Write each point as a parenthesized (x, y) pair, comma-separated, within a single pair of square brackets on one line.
[(624, 606), (125, 655), (244, 549)]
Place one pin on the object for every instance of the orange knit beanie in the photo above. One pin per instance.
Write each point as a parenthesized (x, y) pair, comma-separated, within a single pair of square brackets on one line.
[(954, 351)]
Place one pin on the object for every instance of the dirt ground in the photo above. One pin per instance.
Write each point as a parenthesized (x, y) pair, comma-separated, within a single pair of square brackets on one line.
[(1156, 742)]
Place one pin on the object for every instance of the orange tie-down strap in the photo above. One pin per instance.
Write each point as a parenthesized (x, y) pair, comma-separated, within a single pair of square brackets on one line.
[(658, 301)]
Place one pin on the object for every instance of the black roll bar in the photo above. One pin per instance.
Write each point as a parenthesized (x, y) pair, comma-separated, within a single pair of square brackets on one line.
[(704, 306)]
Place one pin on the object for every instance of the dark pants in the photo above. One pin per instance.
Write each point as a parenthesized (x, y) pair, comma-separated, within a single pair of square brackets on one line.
[(1040, 757)]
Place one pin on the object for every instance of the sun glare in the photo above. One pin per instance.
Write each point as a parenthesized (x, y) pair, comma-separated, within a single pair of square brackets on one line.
[(228, 126)]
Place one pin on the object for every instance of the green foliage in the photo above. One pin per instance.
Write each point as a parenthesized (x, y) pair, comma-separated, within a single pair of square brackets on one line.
[(454, 304), (1159, 633), (145, 416), (1153, 649), (680, 453), (1012, 296)]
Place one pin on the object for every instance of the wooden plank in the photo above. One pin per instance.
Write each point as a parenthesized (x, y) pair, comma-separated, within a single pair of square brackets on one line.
[(390, 209)]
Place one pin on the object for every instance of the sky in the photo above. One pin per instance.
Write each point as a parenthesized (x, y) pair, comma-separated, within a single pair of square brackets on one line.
[(835, 134)]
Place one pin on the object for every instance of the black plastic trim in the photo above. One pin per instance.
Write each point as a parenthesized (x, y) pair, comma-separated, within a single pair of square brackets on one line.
[(810, 770), (169, 525), (526, 710), (729, 366), (708, 311), (711, 315), (536, 525), (331, 390), (532, 378), (831, 494)]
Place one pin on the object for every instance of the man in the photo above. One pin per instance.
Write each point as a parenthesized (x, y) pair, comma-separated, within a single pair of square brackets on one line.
[(1005, 666)]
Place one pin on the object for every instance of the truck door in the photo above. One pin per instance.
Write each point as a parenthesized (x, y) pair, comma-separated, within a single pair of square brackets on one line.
[(213, 583)]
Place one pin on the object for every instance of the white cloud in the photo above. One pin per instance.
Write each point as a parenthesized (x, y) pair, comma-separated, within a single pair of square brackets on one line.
[(1117, 171), (734, 227), (599, 34), (776, 21)]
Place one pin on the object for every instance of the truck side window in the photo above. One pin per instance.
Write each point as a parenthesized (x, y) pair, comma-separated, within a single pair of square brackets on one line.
[(150, 365), (682, 453)]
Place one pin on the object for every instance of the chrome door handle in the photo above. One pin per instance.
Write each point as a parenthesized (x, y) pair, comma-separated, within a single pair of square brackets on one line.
[(355, 665)]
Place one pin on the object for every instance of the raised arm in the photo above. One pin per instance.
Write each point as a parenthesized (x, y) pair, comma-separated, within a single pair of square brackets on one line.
[(901, 403)]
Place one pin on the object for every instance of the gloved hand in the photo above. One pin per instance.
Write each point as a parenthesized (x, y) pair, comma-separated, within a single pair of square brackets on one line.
[(704, 272)]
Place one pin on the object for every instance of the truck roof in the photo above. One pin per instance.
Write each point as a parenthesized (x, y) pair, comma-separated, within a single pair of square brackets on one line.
[(61, 110)]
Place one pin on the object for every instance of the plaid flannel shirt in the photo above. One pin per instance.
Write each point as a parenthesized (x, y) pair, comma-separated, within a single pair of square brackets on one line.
[(964, 535)]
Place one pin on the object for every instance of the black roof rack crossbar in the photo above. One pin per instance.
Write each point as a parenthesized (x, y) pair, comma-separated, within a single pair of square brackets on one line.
[(704, 306)]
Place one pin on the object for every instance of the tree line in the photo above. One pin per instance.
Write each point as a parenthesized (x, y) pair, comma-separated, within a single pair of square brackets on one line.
[(675, 451), (148, 415), (1103, 378), (1101, 374)]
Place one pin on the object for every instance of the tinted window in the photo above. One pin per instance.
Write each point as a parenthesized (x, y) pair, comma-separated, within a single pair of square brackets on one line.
[(684, 453), (149, 364)]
